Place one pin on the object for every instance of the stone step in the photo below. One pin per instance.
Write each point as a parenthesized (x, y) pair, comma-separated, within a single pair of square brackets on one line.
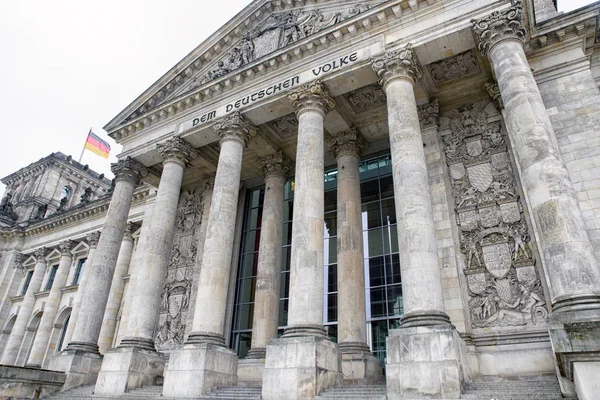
[(233, 393), (374, 392)]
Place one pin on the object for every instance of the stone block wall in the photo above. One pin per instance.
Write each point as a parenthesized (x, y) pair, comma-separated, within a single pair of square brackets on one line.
[(573, 103)]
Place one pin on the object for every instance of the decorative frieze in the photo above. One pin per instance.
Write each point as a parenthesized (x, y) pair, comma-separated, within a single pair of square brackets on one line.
[(498, 26), (454, 67), (366, 98), (397, 64), (502, 280), (286, 126)]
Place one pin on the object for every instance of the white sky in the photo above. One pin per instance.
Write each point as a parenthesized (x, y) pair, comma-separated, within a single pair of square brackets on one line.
[(68, 65)]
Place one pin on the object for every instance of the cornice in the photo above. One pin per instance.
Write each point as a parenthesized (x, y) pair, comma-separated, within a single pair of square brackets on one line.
[(73, 216), (368, 20)]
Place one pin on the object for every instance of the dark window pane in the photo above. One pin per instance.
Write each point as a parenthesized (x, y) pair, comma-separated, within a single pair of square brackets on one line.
[(330, 224), (332, 278), (331, 307), (388, 209), (378, 303), (254, 218), (287, 234), (395, 305), (376, 271), (246, 312), (330, 200), (249, 264), (385, 165), (379, 332), (371, 215), (332, 332), (27, 281), (244, 343), (286, 255), (387, 187), (284, 282), (372, 243), (252, 241), (368, 169), (248, 290), (369, 191), (393, 269), (256, 198), (330, 251), (288, 211), (283, 312), (289, 190)]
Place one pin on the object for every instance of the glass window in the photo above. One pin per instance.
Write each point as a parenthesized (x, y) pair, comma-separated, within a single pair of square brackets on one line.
[(63, 332), (51, 277), (79, 270), (27, 281)]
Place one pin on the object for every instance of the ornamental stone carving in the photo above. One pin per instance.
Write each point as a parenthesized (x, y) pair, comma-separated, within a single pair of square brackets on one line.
[(235, 127), (176, 150), (176, 293), (276, 164), (429, 114), (397, 64), (6, 208), (128, 170), (499, 26), (93, 238), (286, 126), (19, 259), (276, 32), (454, 67), (494, 92), (66, 247), (87, 195), (313, 96), (503, 284), (40, 254), (366, 97), (350, 142)]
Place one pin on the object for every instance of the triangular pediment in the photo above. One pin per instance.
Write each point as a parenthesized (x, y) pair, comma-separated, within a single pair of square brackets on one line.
[(261, 29)]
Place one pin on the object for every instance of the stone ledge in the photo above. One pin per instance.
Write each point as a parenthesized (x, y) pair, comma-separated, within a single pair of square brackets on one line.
[(22, 382)]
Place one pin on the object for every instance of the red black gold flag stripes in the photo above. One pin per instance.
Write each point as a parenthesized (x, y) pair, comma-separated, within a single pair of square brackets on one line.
[(97, 145)]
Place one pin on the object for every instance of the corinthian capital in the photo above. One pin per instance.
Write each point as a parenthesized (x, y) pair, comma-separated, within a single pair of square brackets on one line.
[(235, 126), (499, 26), (397, 64), (40, 254), (66, 247), (176, 150), (349, 142), (276, 164), (128, 170), (92, 238), (312, 96)]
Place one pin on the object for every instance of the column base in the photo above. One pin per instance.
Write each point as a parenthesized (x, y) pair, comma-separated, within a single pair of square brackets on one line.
[(126, 368), (81, 367), (250, 372), (425, 318), (425, 362), (359, 365), (199, 368), (304, 331), (299, 368)]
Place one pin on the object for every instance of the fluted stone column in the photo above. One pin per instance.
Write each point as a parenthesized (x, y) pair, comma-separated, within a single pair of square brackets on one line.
[(92, 240), (42, 337), (358, 364), (81, 359), (136, 362), (109, 324), (205, 363), (305, 336), (425, 324), (276, 169), (11, 351), (569, 262)]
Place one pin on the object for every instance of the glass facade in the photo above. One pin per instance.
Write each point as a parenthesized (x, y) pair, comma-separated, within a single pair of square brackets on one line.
[(383, 288)]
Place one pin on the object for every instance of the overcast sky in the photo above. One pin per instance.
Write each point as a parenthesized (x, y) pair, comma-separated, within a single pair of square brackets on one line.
[(68, 65)]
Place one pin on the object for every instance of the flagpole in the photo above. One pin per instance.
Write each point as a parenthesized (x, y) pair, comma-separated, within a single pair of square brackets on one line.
[(83, 150)]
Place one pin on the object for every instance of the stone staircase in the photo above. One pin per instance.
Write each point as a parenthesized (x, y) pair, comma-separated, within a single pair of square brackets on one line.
[(542, 389), (372, 392)]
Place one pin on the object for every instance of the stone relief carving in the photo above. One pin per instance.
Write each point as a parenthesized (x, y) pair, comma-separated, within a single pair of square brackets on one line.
[(87, 195), (366, 97), (286, 126), (6, 207), (454, 67), (175, 297), (276, 32), (502, 281)]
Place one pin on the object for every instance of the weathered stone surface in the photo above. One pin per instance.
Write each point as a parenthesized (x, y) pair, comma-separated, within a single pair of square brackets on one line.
[(29, 383), (586, 380)]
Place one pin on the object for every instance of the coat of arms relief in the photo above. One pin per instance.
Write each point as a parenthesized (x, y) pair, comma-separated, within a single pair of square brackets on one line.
[(503, 282), (175, 297)]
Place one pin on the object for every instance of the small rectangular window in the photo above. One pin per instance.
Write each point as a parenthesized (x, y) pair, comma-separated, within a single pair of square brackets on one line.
[(51, 277), (27, 281), (78, 271)]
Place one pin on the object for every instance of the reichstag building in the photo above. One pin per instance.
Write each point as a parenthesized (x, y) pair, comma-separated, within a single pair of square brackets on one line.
[(326, 199)]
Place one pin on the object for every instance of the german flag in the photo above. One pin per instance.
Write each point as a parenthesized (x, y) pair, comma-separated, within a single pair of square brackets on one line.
[(97, 145)]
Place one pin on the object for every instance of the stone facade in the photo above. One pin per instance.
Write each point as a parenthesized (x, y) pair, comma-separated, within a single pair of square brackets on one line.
[(325, 194)]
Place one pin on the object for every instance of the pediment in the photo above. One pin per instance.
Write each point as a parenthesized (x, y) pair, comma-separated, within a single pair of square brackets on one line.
[(261, 29)]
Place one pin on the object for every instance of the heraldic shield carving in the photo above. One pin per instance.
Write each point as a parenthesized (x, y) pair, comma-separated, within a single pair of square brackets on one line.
[(502, 281)]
